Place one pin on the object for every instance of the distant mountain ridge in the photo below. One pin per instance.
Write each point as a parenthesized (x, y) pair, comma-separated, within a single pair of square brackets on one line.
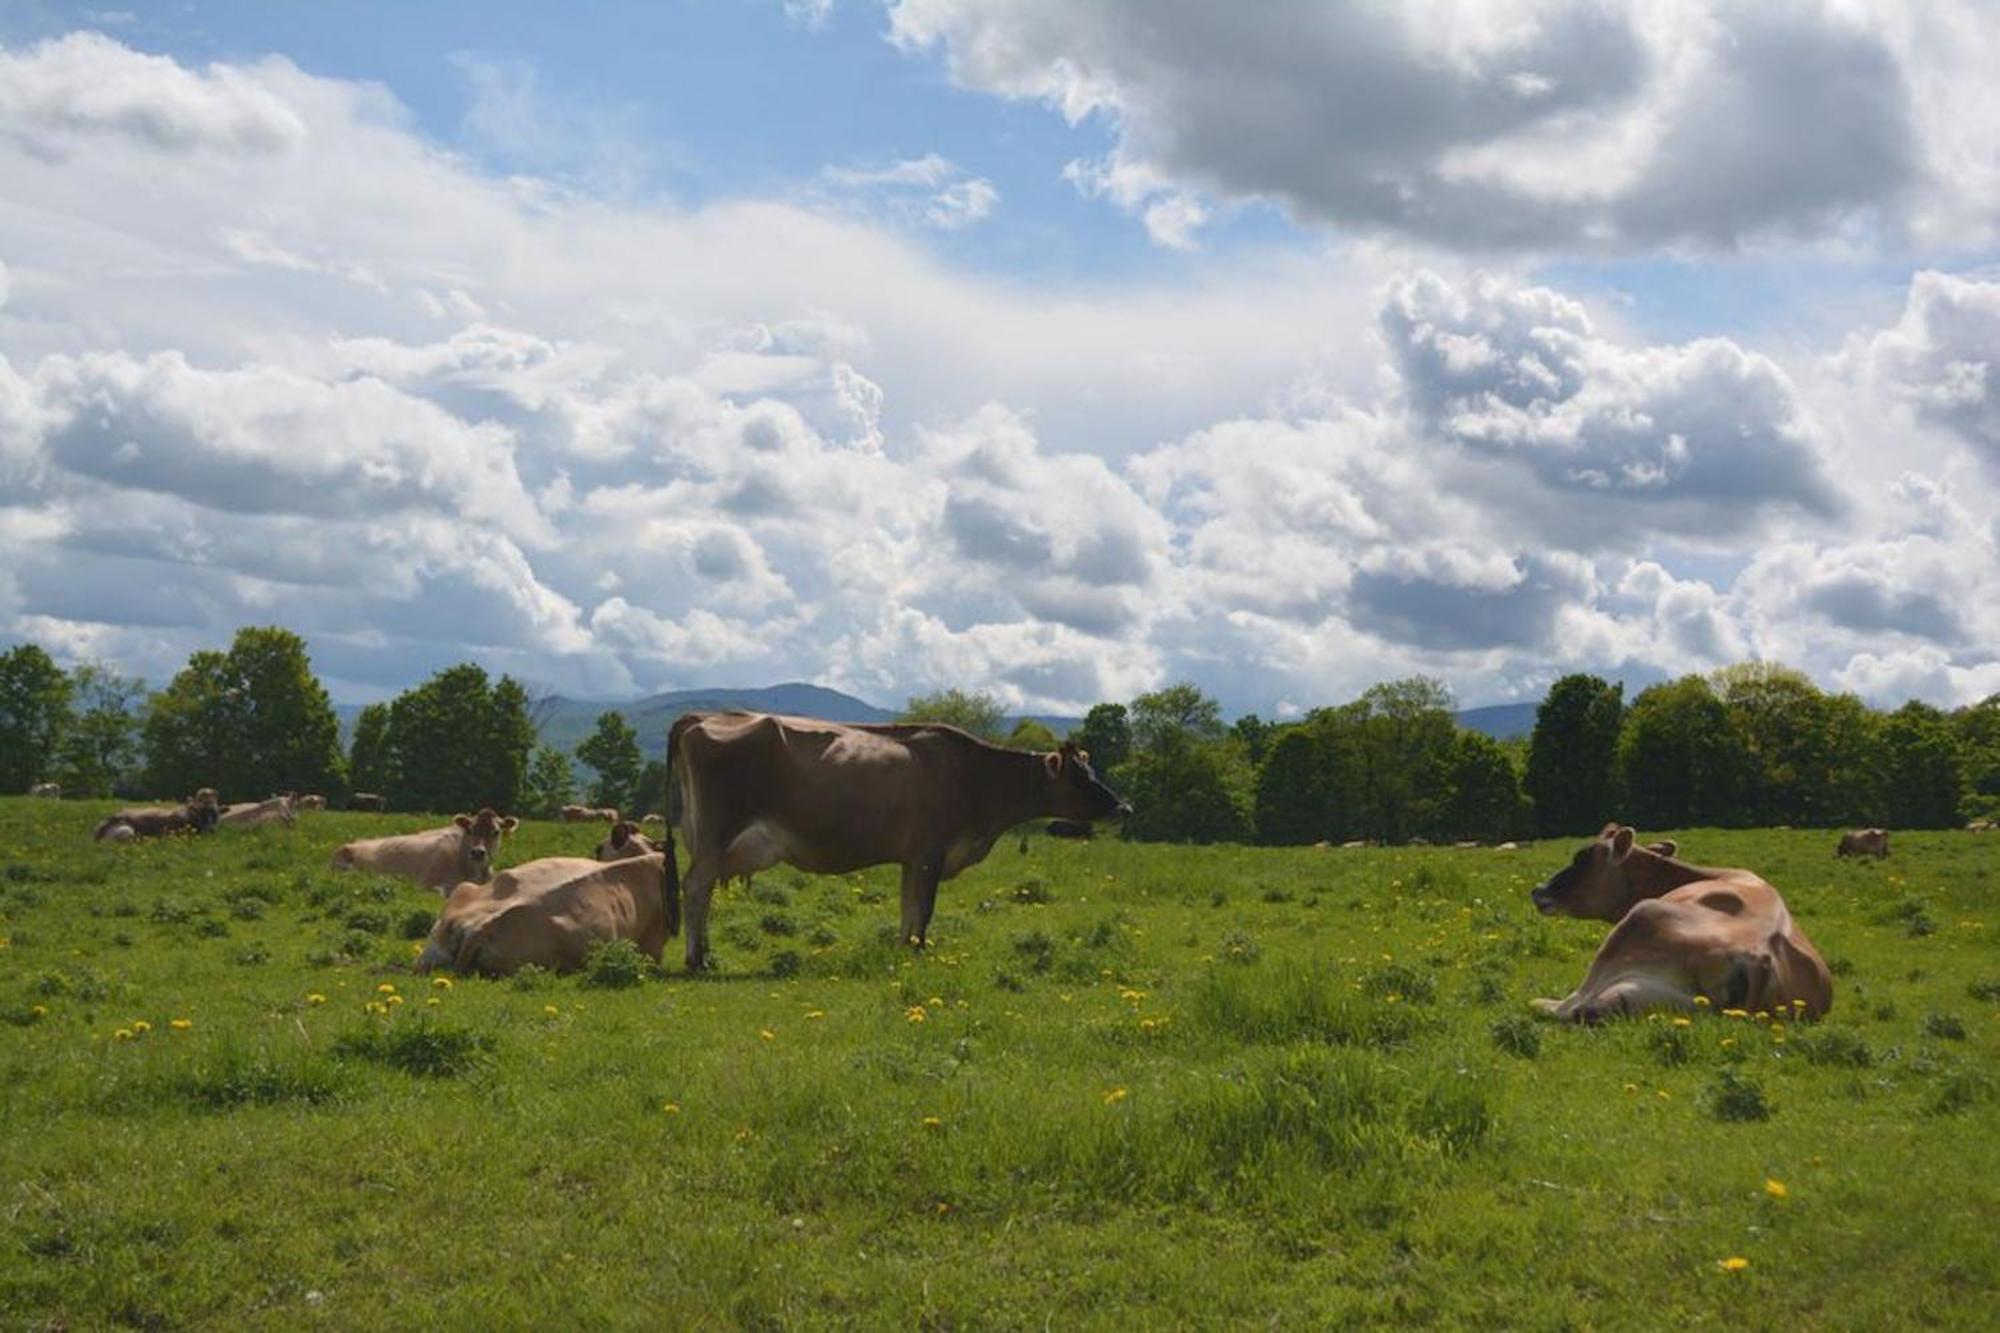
[(567, 721)]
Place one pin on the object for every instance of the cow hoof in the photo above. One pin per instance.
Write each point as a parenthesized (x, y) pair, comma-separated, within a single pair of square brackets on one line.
[(1547, 1008)]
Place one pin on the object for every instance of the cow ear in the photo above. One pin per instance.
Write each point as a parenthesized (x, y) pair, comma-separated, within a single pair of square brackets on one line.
[(1054, 760), (463, 821), (1608, 830), (1621, 844), (509, 824), (1666, 847)]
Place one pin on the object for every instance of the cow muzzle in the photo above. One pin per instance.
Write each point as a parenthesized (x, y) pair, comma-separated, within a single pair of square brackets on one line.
[(1544, 898), (433, 958)]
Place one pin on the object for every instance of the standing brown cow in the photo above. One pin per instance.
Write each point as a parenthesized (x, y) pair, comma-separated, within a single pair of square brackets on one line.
[(830, 798)]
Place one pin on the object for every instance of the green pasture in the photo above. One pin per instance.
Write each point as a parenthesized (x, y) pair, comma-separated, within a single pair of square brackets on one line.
[(1127, 1086)]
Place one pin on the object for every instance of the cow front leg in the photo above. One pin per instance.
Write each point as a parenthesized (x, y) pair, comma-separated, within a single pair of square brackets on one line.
[(920, 886)]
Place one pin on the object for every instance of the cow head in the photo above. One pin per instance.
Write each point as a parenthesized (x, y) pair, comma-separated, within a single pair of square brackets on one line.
[(479, 840), (1594, 883), (203, 816), (624, 841), (1074, 789)]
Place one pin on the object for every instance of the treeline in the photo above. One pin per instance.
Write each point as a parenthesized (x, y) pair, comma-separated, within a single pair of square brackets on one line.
[(1747, 746), (255, 720)]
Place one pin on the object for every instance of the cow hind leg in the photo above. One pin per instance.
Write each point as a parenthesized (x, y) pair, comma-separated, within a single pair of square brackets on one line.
[(696, 890)]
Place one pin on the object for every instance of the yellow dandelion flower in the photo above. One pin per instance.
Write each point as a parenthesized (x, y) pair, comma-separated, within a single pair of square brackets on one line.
[(416, 948), (767, 1034), (1113, 1096), (815, 1013), (932, 1122), (1727, 1042), (180, 1024), (315, 998), (374, 1007), (1761, 1016), (671, 1108), (1735, 1263), (39, 1010), (1631, 1087), (935, 1002), (1701, 1002), (441, 983), (1683, 1022), (1776, 1189), (386, 988), (434, 1001), (122, 1034), (1663, 1095), (141, 1026), (916, 1014), (550, 1010), (742, 1133), (393, 1000), (1736, 1013)]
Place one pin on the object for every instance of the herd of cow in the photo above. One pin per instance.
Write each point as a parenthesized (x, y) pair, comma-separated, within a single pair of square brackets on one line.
[(755, 790)]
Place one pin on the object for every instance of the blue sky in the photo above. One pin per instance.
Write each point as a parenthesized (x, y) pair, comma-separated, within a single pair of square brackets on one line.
[(1053, 349)]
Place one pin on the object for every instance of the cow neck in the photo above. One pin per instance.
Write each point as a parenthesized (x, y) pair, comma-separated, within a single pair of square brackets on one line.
[(1649, 875), (1017, 798)]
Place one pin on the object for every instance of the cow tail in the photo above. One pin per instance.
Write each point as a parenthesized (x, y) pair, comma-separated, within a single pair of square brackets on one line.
[(670, 886)]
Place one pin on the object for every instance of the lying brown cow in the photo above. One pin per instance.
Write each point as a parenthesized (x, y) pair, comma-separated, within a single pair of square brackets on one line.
[(47, 790), (652, 819), (257, 814), (550, 913), (1683, 931), (624, 841), (437, 858), (310, 802), (367, 800), (1864, 842), (588, 814), (197, 814), (831, 798)]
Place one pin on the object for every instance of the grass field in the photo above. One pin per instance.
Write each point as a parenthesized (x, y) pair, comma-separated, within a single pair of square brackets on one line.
[(1127, 1087)]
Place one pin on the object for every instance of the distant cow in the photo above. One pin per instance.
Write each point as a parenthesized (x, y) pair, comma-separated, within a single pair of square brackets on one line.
[(550, 913), (587, 814), (1682, 931), (197, 814), (258, 814), (625, 840), (48, 790), (831, 798), (312, 802), (1864, 842), (1980, 826), (367, 800), (653, 819), (1080, 829), (437, 858)]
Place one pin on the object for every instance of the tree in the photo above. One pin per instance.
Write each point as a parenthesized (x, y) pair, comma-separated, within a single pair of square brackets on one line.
[(613, 751), (651, 796), (1680, 759), (1403, 745), (1482, 795), (1188, 792), (1292, 806), (1177, 715), (1254, 734), (1572, 756), (551, 783), (100, 744), (34, 703), (248, 722), (457, 743), (1922, 782), (1029, 734), (978, 713), (1107, 734), (368, 755), (1978, 731)]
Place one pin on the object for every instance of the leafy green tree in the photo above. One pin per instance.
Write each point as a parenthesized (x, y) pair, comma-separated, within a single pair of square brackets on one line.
[(1978, 732), (613, 752), (651, 796), (1254, 734), (1922, 782), (1572, 756), (1179, 714), (1404, 746), (1187, 791), (34, 703), (190, 728), (1680, 759), (1029, 734), (1292, 804), (1107, 734), (551, 783), (457, 742), (977, 713), (248, 722), (1482, 796), (368, 754), (100, 745)]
